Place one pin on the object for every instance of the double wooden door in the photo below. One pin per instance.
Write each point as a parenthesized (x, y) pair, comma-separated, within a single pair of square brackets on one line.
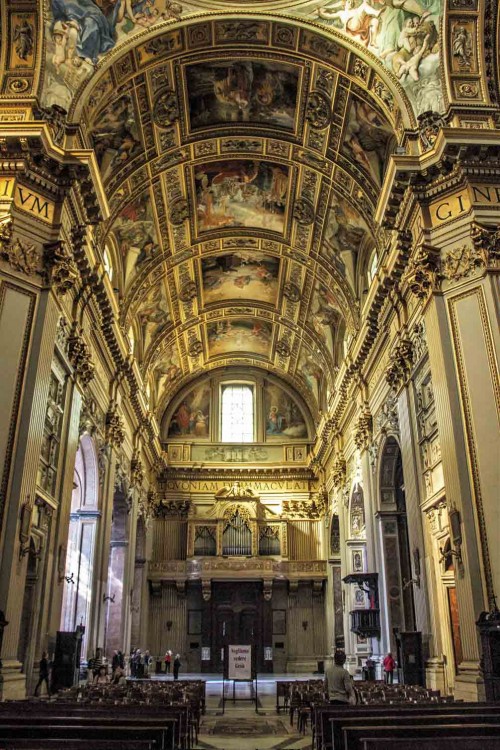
[(236, 619)]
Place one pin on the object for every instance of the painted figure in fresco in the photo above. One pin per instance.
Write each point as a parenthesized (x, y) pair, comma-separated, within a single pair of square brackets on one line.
[(88, 30), (274, 421), (366, 138), (235, 89), (358, 22), (23, 38)]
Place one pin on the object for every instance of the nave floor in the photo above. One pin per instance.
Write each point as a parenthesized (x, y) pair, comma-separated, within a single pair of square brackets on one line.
[(240, 727)]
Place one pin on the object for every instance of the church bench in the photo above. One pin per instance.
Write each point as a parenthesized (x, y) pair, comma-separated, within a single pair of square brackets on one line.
[(73, 744), (328, 720), (356, 738), (171, 720), (471, 742), (92, 733)]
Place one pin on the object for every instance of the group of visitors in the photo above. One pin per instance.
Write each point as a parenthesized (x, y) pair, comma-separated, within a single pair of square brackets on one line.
[(169, 661), (339, 683), (98, 674)]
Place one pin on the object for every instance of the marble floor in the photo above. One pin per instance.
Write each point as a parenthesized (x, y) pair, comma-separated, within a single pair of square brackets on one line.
[(246, 724)]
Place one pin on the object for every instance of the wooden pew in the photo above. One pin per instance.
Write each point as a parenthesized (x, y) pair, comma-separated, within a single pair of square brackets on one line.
[(357, 738), (156, 729), (330, 719), (50, 744), (94, 734), (429, 743), (171, 721)]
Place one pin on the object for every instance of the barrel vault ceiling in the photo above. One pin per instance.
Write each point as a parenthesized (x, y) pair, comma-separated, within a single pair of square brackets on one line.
[(242, 161)]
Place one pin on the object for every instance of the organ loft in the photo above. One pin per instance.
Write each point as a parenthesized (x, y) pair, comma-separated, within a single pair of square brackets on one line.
[(249, 334)]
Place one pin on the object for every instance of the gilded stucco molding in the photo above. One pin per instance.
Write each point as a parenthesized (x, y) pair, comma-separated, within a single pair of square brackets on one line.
[(60, 268), (21, 256), (486, 241), (338, 472), (80, 356), (422, 274), (363, 429), (115, 432), (401, 364)]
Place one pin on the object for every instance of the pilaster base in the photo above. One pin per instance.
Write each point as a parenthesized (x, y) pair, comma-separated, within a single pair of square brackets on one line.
[(469, 683), (301, 666), (435, 675), (12, 681)]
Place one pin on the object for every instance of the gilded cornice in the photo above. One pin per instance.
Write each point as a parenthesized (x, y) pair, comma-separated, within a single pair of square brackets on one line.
[(217, 567)]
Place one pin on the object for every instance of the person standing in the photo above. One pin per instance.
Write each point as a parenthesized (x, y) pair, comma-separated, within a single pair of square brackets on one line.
[(168, 662), (338, 681), (43, 674), (177, 666), (389, 665)]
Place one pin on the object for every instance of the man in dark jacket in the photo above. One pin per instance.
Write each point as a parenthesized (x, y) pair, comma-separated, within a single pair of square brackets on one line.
[(43, 674)]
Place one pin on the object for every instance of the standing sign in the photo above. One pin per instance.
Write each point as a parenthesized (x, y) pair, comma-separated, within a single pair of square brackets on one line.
[(239, 663)]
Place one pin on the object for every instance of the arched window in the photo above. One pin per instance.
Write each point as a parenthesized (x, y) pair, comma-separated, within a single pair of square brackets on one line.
[(237, 414), (107, 264), (79, 572), (372, 266)]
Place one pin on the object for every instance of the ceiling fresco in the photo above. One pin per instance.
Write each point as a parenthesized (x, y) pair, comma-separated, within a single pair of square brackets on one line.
[(242, 161), (241, 275), (402, 34)]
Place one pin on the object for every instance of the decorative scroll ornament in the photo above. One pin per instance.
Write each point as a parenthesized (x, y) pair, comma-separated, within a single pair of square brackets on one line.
[(461, 262), (115, 434), (363, 429), (179, 212), (339, 471), (79, 356), (487, 242), (388, 417), (312, 510), (423, 271), (55, 117), (237, 490), (233, 510), (136, 471), (195, 348), (429, 125), (62, 272), (173, 508), (318, 110), (188, 291), (147, 505), (291, 291), (283, 348), (165, 109), (303, 212), (21, 256), (401, 364)]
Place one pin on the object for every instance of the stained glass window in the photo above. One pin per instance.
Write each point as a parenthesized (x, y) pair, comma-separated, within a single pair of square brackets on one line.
[(237, 414)]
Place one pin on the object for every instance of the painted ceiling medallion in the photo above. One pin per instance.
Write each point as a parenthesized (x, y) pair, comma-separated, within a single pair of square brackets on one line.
[(291, 291), (188, 291), (165, 109), (318, 111), (179, 212), (283, 348), (195, 348), (303, 212)]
